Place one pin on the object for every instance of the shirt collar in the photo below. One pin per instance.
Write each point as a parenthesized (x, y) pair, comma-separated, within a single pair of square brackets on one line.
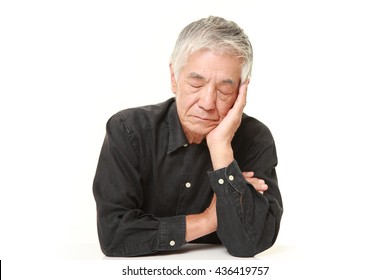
[(177, 137)]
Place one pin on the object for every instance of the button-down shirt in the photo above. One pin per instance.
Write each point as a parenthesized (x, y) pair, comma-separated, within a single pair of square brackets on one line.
[(149, 178)]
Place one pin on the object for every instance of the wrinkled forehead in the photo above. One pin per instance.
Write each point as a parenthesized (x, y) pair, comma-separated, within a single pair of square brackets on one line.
[(203, 64)]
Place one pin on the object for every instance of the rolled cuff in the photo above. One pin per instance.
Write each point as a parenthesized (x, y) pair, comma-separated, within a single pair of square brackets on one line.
[(172, 232), (227, 180)]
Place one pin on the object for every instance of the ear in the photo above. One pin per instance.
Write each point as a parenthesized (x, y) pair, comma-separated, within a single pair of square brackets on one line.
[(173, 80)]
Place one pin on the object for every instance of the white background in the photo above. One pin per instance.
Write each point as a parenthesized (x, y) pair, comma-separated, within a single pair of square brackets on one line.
[(320, 79)]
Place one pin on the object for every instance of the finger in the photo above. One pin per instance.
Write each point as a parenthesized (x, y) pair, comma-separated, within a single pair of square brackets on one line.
[(241, 97), (256, 181), (248, 174), (258, 184), (262, 187), (242, 93)]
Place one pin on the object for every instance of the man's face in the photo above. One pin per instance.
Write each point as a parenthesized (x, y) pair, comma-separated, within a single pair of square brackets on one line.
[(205, 91)]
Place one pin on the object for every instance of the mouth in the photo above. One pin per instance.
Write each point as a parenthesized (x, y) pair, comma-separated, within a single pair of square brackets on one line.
[(205, 119)]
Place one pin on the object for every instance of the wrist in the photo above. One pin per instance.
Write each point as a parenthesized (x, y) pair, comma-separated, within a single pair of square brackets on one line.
[(221, 154)]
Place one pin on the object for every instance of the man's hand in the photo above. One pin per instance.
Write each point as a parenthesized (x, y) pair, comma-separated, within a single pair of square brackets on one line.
[(219, 139), (211, 213), (258, 184), (198, 225), (225, 131)]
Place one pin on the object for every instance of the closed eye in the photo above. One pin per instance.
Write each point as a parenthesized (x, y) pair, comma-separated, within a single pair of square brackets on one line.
[(225, 92), (223, 96), (226, 89), (196, 86)]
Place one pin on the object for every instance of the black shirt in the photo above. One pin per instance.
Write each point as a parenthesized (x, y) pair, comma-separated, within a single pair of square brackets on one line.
[(148, 178)]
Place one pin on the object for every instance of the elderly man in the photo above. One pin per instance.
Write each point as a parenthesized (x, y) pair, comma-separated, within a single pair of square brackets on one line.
[(194, 168)]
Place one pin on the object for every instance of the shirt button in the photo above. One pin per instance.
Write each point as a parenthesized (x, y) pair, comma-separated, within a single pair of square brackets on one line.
[(185, 145), (221, 181), (231, 177), (172, 243), (188, 185)]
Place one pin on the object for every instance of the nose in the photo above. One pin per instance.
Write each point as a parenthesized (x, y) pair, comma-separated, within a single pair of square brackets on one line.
[(207, 98)]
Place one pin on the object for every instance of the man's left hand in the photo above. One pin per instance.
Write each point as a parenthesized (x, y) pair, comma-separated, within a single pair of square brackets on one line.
[(219, 139), (226, 129)]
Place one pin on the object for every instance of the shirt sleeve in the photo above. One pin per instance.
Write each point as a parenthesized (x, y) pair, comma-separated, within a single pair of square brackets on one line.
[(248, 221), (123, 228)]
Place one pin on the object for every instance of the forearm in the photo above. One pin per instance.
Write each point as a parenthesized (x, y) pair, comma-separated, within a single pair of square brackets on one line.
[(132, 233), (198, 225), (248, 231), (248, 222), (221, 154)]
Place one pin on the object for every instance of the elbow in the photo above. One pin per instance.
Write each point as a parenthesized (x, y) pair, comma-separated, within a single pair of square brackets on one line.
[(249, 250), (108, 250), (254, 243), (242, 253), (108, 253)]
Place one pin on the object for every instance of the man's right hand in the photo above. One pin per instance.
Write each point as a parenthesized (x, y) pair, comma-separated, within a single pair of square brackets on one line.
[(211, 213), (258, 184)]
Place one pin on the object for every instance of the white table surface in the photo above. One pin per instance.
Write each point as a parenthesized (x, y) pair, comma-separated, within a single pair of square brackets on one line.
[(190, 251)]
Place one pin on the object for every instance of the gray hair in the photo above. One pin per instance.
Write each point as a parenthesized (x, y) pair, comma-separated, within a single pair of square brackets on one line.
[(215, 34)]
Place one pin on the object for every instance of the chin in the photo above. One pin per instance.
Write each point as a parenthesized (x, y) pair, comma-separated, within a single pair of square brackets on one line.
[(203, 130)]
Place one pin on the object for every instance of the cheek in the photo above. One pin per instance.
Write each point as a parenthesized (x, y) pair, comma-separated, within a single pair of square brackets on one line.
[(185, 101), (225, 106)]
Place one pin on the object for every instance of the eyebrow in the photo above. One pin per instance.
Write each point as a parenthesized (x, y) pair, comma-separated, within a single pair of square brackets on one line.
[(195, 75), (228, 81)]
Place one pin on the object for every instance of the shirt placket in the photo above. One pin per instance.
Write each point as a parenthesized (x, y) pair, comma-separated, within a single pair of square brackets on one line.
[(185, 182)]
